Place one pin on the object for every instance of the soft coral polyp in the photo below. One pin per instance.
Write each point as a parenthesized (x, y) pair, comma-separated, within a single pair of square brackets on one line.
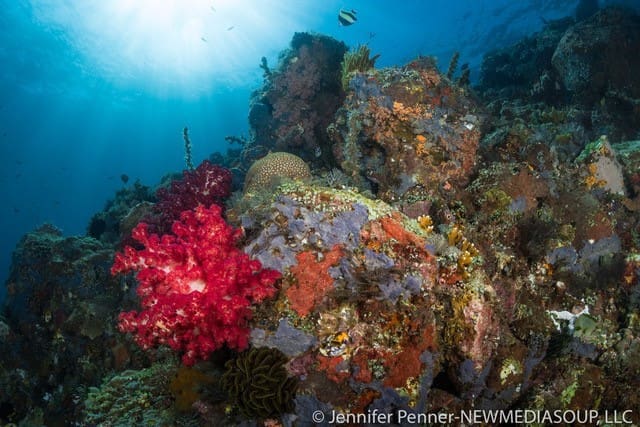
[(196, 287)]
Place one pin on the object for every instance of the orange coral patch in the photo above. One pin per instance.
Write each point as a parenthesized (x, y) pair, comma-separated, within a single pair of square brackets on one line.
[(394, 229), (360, 360), (407, 364), (313, 280), (335, 368)]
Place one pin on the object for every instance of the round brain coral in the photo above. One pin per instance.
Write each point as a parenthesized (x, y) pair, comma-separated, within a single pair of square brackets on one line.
[(273, 166)]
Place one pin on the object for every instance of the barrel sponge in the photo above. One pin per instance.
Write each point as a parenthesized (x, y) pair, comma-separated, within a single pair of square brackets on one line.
[(273, 166)]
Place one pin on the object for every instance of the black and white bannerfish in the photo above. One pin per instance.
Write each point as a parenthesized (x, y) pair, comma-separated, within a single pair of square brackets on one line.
[(347, 17)]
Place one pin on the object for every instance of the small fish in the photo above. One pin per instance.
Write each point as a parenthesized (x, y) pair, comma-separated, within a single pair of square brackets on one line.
[(231, 28), (213, 9), (124, 178), (347, 17), (203, 39)]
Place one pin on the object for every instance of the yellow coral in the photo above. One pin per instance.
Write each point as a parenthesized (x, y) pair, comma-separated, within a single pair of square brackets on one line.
[(592, 181), (421, 146), (468, 251), (456, 328), (426, 223), (455, 235), (467, 246), (465, 259)]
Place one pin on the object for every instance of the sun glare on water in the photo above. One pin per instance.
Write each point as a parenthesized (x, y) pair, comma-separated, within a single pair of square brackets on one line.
[(168, 45)]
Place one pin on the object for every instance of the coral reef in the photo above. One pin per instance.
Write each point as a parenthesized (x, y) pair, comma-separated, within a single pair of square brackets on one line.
[(580, 69), (404, 129), (188, 385), (121, 214), (604, 170), (293, 109), (467, 254), (525, 68), (453, 64), (61, 301), (138, 397), (195, 286), (274, 166), (188, 159), (603, 45), (377, 293), (313, 280), (258, 384)]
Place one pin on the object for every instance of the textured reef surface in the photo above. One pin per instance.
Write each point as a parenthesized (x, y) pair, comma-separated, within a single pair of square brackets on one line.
[(410, 245)]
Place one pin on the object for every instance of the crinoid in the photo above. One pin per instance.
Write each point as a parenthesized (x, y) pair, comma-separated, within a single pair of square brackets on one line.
[(258, 383)]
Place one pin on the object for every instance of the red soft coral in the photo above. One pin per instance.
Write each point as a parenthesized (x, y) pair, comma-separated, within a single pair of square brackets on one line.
[(206, 184), (196, 287)]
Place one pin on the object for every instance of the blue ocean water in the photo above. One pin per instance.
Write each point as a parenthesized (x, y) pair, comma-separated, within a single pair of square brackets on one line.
[(94, 89)]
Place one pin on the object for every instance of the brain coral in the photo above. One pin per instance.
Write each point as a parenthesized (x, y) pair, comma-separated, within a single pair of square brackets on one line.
[(273, 166)]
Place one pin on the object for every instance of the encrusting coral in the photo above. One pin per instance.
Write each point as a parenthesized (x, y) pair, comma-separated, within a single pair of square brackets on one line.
[(403, 129), (371, 288)]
